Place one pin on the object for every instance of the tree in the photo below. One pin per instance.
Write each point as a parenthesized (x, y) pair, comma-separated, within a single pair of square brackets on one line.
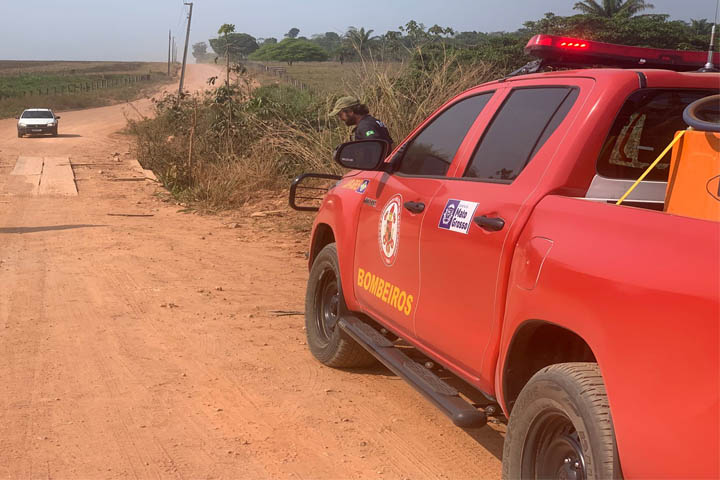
[(199, 51), (292, 33), (612, 8), (468, 38), (654, 30), (359, 38), (390, 45), (439, 32), (291, 50), (225, 30), (236, 45), (329, 41), (415, 34), (701, 27)]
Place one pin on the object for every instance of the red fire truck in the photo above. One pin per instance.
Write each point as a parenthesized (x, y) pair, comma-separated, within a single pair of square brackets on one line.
[(491, 241)]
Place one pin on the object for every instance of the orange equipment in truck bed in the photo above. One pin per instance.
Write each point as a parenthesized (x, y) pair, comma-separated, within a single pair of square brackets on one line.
[(694, 180)]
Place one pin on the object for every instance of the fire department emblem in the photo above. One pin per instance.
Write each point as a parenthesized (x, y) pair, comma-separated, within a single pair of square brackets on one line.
[(389, 230)]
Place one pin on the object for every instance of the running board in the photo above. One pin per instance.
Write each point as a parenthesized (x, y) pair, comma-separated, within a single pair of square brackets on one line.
[(445, 397)]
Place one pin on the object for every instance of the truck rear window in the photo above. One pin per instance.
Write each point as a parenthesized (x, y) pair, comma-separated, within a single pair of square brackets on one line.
[(527, 118), (645, 125)]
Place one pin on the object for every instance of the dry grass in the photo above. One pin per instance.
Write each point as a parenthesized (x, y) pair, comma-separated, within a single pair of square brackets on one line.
[(330, 77), (26, 67), (281, 132)]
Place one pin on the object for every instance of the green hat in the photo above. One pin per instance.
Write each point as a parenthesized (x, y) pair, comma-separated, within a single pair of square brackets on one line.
[(343, 103)]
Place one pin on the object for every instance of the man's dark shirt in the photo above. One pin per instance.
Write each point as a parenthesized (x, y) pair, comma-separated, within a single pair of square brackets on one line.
[(369, 128)]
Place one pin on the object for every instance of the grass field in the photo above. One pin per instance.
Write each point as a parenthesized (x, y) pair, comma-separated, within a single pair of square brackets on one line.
[(330, 77), (22, 67), (73, 85)]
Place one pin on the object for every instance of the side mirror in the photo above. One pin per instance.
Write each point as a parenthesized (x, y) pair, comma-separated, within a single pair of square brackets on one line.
[(362, 154), (17, 118), (57, 118)]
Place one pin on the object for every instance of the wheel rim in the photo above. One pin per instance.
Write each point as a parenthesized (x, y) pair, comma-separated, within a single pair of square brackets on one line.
[(327, 305), (552, 449)]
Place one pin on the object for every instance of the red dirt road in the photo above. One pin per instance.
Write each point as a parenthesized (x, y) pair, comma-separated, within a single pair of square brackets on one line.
[(147, 346)]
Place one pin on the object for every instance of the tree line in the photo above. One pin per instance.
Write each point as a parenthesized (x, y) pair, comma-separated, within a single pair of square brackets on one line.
[(614, 21)]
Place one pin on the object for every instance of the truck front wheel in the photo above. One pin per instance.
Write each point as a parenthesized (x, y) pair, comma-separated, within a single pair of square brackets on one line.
[(560, 427), (324, 303)]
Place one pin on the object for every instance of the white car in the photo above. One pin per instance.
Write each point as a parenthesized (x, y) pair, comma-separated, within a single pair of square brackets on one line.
[(37, 120)]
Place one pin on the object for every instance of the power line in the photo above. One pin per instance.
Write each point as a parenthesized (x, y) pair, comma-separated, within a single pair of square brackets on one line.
[(181, 15)]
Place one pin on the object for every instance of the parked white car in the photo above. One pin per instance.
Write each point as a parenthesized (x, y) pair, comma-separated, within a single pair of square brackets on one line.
[(37, 120)]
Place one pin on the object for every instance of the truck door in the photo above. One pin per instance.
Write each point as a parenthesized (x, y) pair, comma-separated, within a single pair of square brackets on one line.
[(467, 225), (387, 279)]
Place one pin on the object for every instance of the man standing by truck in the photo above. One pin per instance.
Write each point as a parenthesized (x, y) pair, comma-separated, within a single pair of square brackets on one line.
[(354, 113)]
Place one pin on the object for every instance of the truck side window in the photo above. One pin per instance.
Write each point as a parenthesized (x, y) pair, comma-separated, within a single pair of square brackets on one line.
[(645, 125), (527, 118), (432, 151)]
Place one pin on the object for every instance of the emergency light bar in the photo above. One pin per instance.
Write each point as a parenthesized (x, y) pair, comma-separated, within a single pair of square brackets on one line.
[(565, 51)]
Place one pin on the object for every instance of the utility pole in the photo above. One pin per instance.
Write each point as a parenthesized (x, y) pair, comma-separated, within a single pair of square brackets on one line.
[(169, 50), (187, 40)]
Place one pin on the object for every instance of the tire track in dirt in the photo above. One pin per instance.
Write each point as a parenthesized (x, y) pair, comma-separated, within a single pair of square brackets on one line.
[(24, 362)]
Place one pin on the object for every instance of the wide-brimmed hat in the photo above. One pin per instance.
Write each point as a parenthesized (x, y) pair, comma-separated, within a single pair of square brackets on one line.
[(343, 103)]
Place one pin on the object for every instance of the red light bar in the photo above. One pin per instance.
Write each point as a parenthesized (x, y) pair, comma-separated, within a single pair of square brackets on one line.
[(555, 50)]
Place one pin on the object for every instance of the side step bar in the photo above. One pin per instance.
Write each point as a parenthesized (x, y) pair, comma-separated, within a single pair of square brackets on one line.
[(445, 397)]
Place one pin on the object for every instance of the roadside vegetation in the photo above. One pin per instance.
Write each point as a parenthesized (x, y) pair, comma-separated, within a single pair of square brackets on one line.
[(74, 85), (220, 148), (323, 77)]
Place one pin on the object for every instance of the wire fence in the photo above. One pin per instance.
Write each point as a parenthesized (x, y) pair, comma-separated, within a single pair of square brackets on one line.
[(77, 87), (279, 72)]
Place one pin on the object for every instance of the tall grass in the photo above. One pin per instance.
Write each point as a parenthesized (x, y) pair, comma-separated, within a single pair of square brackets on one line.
[(221, 147)]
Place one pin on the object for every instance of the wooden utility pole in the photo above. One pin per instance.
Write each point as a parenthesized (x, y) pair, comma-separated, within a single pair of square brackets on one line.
[(187, 41), (169, 50)]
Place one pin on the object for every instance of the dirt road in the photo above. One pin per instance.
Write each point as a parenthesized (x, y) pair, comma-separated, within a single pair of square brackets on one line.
[(147, 347)]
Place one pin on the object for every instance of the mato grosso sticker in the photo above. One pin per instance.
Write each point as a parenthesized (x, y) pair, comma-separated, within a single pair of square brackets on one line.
[(457, 216)]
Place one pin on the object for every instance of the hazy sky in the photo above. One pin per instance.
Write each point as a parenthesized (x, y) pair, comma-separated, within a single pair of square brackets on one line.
[(137, 29)]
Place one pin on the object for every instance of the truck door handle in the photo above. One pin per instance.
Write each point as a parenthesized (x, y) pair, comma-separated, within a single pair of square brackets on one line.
[(415, 207), (492, 224)]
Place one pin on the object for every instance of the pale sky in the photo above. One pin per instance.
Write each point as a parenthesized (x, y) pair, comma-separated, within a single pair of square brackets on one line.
[(138, 29)]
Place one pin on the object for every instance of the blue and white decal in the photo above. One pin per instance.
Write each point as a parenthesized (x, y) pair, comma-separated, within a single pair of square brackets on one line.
[(363, 186), (457, 216)]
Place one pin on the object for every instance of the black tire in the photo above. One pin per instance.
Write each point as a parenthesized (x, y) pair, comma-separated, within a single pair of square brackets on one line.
[(20, 135), (324, 302), (560, 427), (55, 132)]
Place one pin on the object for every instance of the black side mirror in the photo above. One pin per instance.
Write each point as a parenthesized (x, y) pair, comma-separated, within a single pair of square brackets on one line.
[(362, 154), (57, 118)]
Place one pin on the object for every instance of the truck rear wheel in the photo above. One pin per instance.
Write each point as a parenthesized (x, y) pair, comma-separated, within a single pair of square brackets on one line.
[(560, 427), (324, 303)]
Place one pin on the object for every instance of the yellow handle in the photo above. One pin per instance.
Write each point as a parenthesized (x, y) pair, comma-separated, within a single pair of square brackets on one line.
[(652, 165)]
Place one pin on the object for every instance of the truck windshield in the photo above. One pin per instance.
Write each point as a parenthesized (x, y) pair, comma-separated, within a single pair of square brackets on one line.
[(37, 114), (645, 125)]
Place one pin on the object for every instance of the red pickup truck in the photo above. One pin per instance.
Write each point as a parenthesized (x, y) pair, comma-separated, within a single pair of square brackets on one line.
[(490, 241)]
